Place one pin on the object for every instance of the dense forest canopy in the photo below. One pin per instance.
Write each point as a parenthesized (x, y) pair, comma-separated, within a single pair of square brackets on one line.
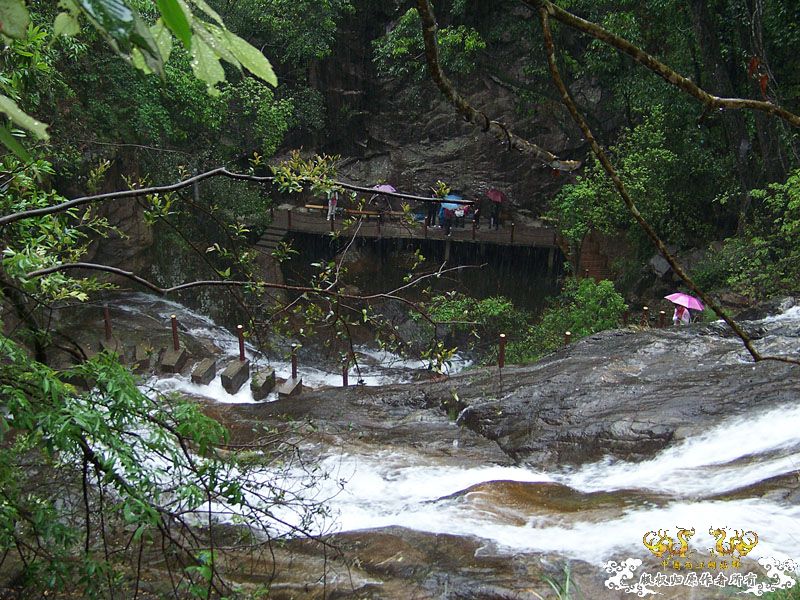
[(103, 95)]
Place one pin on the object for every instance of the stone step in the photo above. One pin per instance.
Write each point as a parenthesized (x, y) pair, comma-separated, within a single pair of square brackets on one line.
[(269, 239)]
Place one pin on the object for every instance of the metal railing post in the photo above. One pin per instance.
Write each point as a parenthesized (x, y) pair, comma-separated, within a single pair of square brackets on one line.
[(175, 343), (240, 335)]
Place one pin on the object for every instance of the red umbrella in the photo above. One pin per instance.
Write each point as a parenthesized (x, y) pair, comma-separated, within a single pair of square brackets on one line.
[(496, 195)]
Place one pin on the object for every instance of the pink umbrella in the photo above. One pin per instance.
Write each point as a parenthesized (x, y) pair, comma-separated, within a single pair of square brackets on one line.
[(685, 300), (384, 187)]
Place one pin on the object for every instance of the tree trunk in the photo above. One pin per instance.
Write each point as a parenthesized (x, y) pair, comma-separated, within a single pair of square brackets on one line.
[(721, 84), (773, 153)]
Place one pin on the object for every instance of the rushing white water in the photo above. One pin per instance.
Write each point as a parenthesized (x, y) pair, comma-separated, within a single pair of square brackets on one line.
[(375, 367), (679, 487), (737, 453), (390, 489)]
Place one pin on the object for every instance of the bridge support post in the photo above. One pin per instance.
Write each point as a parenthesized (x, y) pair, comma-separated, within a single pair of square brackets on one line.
[(447, 250), (551, 259)]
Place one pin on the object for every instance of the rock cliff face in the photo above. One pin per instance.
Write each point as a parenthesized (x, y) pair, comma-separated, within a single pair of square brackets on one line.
[(406, 134), (412, 147)]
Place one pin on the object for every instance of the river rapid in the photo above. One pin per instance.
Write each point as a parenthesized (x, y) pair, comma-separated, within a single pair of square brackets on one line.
[(428, 472)]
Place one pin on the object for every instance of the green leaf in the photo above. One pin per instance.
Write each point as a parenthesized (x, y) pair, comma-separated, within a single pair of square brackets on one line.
[(163, 39), (125, 30), (65, 24), (203, 5), (174, 18), (138, 60), (206, 66), (113, 17), (143, 40), (10, 142), (21, 118), (213, 36), (251, 58), (14, 18)]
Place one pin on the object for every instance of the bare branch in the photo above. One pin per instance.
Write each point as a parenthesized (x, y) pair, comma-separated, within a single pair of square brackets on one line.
[(330, 292), (666, 73), (218, 172), (470, 114)]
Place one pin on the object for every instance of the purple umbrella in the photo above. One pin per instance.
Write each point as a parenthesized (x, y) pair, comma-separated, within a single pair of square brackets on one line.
[(685, 300), (384, 187)]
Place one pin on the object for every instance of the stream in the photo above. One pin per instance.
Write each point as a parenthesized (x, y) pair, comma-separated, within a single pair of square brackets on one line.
[(734, 474)]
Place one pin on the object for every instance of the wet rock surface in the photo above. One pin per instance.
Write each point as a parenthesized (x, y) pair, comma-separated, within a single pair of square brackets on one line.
[(625, 393), (400, 563)]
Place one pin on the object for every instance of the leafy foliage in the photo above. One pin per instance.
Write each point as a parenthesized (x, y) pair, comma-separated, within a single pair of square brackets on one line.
[(765, 259), (147, 48), (303, 30), (150, 468), (396, 53), (659, 182), (584, 307), (486, 318)]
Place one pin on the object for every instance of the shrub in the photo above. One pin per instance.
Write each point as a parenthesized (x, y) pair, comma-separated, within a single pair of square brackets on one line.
[(584, 307), (765, 259), (485, 319)]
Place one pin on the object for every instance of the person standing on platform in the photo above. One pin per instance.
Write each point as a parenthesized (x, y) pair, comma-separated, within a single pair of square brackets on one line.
[(333, 200), (431, 218), (495, 220)]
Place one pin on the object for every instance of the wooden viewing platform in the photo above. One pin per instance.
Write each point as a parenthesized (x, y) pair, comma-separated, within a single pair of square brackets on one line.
[(392, 225)]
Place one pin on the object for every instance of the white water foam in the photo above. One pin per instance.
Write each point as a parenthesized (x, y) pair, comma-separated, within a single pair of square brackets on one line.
[(700, 466), (790, 314), (384, 489), (387, 489), (375, 368), (393, 489)]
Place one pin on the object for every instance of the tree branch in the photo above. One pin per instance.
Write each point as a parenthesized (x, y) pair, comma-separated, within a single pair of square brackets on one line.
[(470, 114), (218, 172), (602, 157), (330, 292), (666, 73)]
